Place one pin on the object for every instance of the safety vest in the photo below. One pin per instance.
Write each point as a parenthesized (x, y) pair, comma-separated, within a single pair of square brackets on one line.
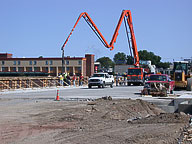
[(61, 77)]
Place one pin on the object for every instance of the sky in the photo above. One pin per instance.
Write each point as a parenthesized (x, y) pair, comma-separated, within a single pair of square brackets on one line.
[(33, 28)]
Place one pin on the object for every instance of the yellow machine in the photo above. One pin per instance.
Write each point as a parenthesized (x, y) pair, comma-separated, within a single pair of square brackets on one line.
[(182, 75)]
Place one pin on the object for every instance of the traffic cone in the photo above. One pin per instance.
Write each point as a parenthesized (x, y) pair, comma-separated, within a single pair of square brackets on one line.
[(57, 97)]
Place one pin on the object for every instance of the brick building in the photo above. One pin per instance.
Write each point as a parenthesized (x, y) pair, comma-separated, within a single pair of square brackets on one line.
[(50, 66)]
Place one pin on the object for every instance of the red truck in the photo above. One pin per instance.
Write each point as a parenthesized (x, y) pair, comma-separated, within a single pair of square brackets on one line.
[(158, 85), (135, 76)]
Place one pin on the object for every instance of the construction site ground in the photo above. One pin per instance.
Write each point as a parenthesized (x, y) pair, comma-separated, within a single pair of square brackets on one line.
[(88, 116)]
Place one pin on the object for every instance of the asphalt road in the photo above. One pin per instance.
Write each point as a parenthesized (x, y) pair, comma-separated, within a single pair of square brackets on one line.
[(74, 93), (77, 93)]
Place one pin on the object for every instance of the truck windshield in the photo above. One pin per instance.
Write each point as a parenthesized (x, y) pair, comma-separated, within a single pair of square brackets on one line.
[(98, 75), (157, 78), (134, 71)]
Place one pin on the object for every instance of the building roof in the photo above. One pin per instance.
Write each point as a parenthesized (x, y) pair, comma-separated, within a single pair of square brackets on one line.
[(50, 58)]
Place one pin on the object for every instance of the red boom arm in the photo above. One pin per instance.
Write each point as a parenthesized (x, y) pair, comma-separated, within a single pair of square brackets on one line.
[(127, 15)]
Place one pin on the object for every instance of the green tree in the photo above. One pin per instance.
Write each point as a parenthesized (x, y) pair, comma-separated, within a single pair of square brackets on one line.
[(145, 55), (130, 60), (105, 62), (155, 59), (163, 65), (120, 58)]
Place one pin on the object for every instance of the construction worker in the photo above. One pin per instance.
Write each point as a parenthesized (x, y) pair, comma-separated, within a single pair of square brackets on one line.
[(81, 80), (74, 79), (125, 80), (117, 79), (61, 79), (68, 79), (65, 77)]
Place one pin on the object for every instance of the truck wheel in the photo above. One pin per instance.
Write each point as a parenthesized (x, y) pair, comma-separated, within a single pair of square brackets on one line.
[(111, 85), (99, 86), (189, 84), (89, 86), (103, 85)]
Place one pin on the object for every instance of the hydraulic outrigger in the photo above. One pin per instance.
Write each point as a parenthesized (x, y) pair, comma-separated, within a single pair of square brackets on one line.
[(126, 16)]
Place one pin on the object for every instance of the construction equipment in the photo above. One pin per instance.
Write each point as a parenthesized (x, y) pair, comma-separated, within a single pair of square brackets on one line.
[(182, 75), (126, 16), (135, 76), (158, 85)]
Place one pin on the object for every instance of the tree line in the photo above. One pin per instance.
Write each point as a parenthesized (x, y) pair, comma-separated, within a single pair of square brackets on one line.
[(122, 58)]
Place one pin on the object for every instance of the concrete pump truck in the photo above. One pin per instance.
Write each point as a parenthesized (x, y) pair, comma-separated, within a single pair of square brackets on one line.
[(135, 75)]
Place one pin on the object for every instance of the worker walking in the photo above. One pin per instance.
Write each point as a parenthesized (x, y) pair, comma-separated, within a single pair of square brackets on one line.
[(65, 78), (74, 79), (117, 80), (61, 79), (81, 80)]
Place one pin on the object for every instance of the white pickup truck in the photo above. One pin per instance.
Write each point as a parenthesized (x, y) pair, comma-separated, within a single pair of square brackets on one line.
[(101, 80)]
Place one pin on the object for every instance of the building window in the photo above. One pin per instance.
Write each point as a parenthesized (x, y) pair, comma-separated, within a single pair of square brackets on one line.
[(3, 62), (30, 62), (19, 62), (4, 69), (45, 69), (46, 62), (29, 69), (67, 62), (20, 69), (78, 70), (34, 62), (37, 69), (14, 62), (79, 62), (13, 69), (51, 62)]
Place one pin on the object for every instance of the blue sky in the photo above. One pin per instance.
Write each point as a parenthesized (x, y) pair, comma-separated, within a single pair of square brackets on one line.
[(31, 28)]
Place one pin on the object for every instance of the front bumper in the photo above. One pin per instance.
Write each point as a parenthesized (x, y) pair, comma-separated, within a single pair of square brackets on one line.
[(135, 81), (95, 83)]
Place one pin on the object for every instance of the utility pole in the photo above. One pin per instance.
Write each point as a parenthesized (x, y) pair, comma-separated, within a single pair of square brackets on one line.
[(62, 60)]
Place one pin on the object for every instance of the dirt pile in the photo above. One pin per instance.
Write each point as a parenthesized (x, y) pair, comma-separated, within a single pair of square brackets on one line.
[(100, 121), (164, 118), (122, 109)]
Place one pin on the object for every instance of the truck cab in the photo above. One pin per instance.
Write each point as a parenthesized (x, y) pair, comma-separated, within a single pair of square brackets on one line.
[(135, 76)]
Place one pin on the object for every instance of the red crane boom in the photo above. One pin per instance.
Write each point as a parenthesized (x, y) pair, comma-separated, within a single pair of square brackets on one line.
[(126, 15)]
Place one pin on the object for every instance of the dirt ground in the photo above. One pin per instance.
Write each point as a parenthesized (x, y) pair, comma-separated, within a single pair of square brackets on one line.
[(103, 121)]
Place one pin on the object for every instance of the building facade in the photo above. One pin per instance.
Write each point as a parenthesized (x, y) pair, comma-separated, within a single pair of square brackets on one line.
[(51, 66), (121, 69)]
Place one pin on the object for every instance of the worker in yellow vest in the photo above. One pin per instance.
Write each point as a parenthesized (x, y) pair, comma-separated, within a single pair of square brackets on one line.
[(61, 79)]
